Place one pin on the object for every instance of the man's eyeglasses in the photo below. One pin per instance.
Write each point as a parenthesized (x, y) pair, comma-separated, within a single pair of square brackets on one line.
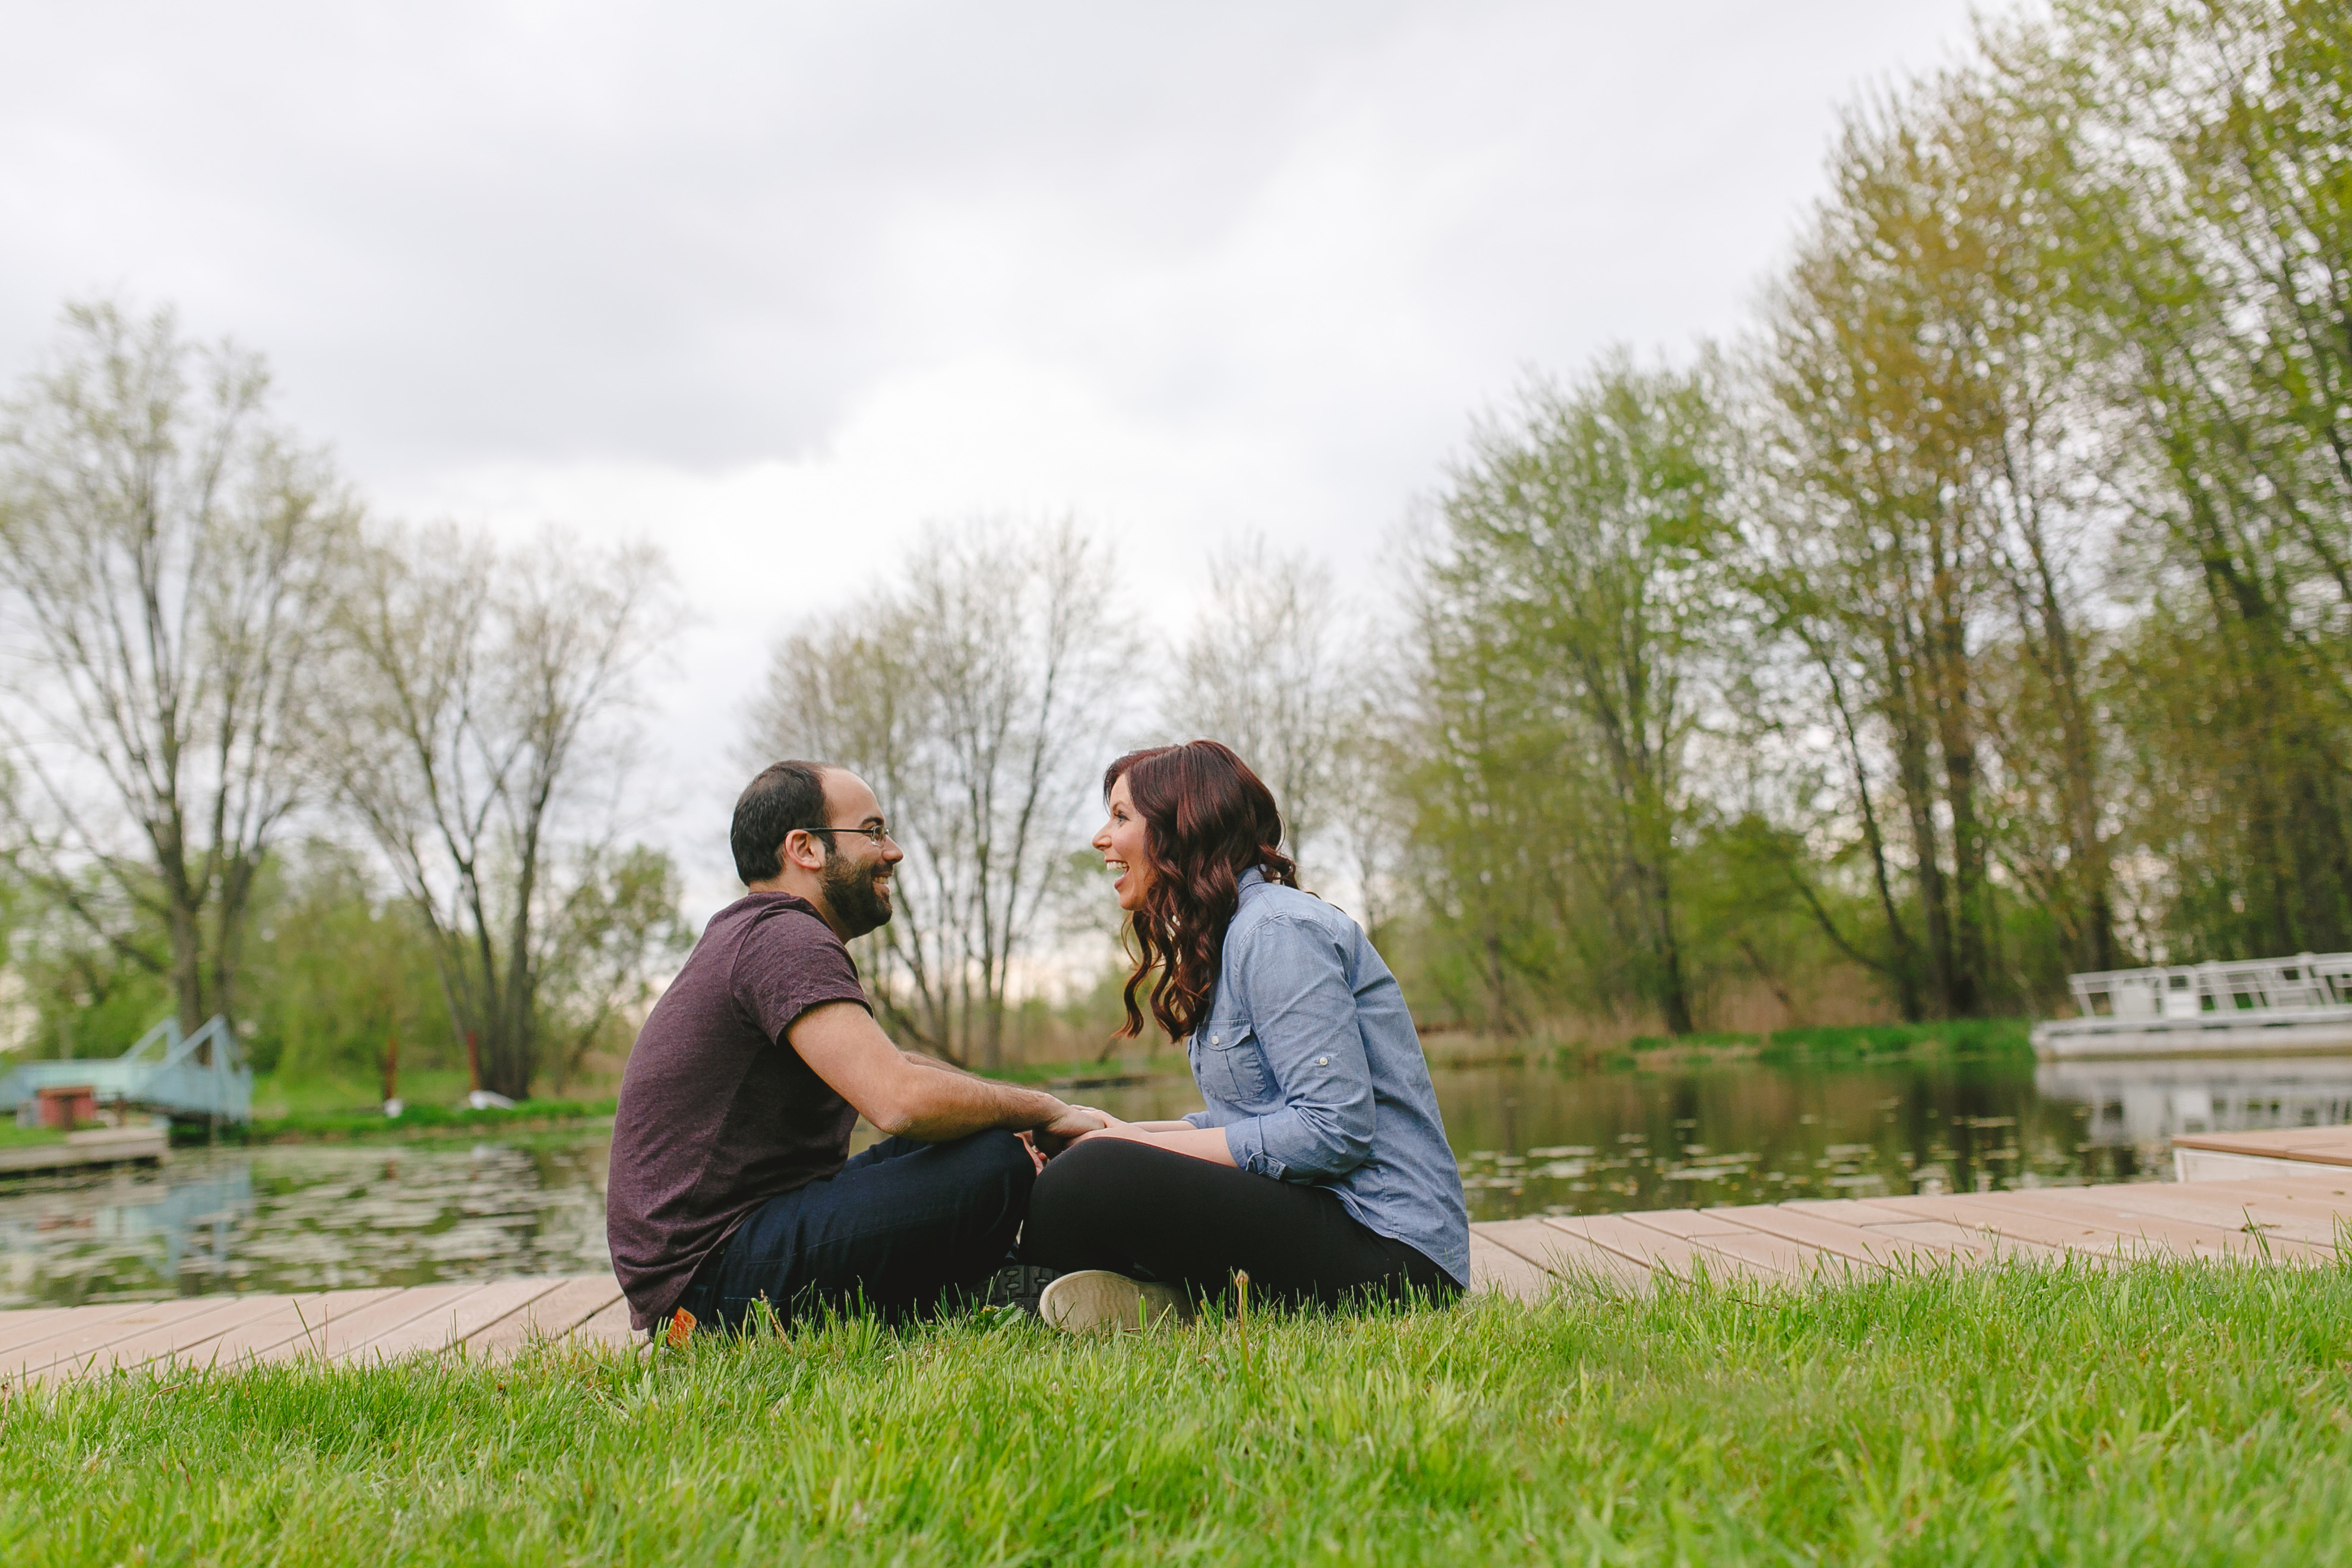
[(876, 836)]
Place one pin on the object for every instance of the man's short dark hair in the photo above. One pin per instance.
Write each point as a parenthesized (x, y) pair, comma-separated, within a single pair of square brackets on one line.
[(785, 796)]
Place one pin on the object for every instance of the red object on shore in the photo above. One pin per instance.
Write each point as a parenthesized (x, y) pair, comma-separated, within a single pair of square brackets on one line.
[(67, 1107)]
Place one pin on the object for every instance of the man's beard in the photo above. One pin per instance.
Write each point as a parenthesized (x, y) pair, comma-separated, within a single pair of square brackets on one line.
[(854, 891)]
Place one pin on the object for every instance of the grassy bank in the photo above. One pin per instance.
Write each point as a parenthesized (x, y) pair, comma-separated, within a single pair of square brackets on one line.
[(414, 1122), (1858, 1041), (2174, 1412), (1841, 1043)]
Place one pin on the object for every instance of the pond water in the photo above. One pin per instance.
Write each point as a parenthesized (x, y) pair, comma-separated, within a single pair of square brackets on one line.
[(1531, 1139)]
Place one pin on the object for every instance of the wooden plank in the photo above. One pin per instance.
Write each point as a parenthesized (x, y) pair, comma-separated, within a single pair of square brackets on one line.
[(550, 1315), (2324, 1189), (1863, 1213), (16, 1325), (1772, 1255), (150, 1342), (94, 1332), (2230, 1210), (2329, 1191), (1494, 1266), (1976, 1244), (67, 1320), (2018, 1233), (1688, 1224), (1560, 1252), (349, 1331), (442, 1328), (300, 1317), (1975, 1214), (164, 1339), (1856, 1243), (2136, 1232), (1662, 1252), (1651, 1250), (1921, 1217), (609, 1327), (2313, 1145)]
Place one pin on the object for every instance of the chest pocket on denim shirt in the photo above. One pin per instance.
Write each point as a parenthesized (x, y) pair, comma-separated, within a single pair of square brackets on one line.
[(1233, 1064)]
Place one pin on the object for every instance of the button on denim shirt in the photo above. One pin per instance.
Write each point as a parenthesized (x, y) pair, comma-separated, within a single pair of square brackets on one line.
[(1309, 1061)]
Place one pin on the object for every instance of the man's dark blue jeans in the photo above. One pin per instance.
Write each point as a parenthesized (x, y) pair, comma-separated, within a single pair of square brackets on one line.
[(903, 1230)]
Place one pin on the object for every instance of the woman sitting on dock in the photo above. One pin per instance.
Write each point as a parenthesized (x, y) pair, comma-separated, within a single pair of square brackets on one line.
[(1320, 1167)]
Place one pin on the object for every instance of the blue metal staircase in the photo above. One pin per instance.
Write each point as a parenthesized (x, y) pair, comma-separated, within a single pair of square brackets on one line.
[(164, 1072)]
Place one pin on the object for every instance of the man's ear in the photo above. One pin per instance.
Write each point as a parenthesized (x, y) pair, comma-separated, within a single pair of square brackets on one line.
[(785, 856)]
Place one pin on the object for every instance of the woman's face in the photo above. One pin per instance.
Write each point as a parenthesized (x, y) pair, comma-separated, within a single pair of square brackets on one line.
[(1122, 843)]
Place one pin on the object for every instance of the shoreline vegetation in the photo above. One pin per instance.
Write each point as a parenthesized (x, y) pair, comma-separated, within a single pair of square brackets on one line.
[(333, 1110), (2183, 1412)]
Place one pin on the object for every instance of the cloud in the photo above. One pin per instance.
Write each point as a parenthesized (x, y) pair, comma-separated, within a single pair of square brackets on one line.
[(775, 284)]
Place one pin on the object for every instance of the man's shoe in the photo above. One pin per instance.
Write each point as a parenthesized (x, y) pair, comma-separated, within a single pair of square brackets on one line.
[(1095, 1298), (1016, 1287)]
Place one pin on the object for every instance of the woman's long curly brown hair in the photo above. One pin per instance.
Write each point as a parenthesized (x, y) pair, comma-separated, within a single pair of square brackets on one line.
[(1206, 819)]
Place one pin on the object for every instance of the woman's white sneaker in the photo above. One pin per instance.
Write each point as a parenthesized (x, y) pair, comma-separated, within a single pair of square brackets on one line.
[(1093, 1298)]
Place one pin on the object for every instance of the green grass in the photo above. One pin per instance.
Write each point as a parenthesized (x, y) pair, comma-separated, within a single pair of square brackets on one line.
[(15, 1136), (2170, 1413), (414, 1122), (1842, 1042), (1960, 1036)]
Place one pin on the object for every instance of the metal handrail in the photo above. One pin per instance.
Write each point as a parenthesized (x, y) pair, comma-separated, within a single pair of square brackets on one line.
[(159, 1071), (2301, 984)]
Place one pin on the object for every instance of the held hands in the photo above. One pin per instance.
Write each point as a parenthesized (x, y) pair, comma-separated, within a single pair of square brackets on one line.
[(1073, 1122)]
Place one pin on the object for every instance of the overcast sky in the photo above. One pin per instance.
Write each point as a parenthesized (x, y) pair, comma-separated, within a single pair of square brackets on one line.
[(774, 284)]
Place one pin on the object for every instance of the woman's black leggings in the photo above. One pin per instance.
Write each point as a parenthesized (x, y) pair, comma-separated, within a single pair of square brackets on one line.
[(1153, 1215)]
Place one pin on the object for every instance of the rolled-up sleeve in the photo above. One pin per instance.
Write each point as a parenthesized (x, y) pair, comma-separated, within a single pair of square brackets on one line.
[(1292, 979)]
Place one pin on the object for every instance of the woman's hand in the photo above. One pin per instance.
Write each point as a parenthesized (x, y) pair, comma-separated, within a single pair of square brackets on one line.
[(1130, 1131), (1176, 1137)]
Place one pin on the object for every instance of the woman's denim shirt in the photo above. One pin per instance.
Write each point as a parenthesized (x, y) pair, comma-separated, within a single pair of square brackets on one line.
[(1309, 1061)]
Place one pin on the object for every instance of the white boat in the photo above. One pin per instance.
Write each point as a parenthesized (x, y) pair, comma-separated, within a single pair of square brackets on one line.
[(2268, 1006)]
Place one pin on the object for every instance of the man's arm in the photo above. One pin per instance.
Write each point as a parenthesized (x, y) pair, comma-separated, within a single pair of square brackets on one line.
[(843, 1046)]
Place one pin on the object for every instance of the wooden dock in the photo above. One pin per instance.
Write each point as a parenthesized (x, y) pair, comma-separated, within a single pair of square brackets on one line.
[(2277, 1151), (2288, 1217), (353, 1327), (80, 1151)]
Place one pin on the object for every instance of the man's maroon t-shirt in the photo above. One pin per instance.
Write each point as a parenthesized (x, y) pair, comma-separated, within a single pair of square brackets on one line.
[(717, 1113)]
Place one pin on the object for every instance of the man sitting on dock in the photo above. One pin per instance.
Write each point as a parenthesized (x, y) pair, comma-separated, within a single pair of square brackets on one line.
[(732, 1181)]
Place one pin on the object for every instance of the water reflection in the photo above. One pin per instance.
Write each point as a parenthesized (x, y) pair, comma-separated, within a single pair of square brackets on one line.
[(2152, 1102), (1532, 1140), (308, 1218)]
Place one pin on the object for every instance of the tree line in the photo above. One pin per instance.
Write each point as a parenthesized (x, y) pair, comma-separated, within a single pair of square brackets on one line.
[(1976, 614), (240, 713), (1980, 614)]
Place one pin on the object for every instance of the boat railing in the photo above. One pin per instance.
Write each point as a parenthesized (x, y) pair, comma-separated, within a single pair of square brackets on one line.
[(2304, 984)]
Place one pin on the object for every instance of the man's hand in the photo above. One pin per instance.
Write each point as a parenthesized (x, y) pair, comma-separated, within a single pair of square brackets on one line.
[(1075, 1121)]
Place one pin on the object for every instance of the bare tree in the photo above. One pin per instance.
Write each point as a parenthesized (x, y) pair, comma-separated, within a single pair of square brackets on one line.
[(168, 551), (480, 689), (1262, 672), (974, 696)]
